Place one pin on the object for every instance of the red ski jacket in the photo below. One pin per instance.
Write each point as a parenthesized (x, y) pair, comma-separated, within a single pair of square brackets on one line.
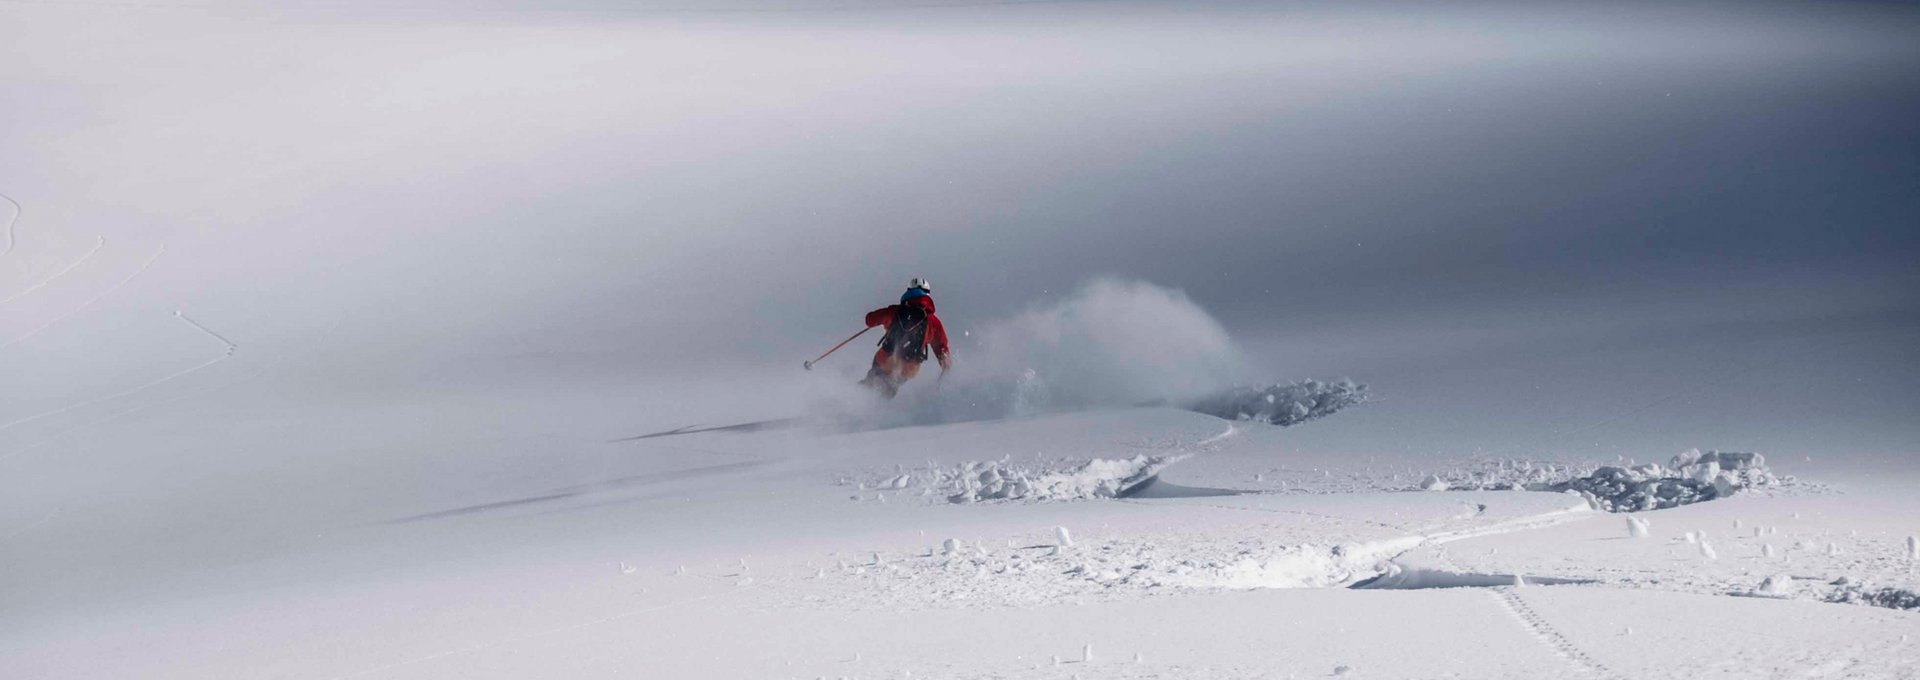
[(936, 333)]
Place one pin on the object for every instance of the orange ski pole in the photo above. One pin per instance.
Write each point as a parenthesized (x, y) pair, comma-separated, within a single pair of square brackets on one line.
[(843, 343)]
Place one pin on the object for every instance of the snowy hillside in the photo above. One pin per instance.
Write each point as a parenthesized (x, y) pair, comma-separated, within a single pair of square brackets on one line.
[(478, 340), (764, 554)]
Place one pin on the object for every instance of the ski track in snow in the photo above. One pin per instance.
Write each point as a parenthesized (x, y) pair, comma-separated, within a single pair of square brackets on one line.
[(1528, 523), (181, 397), (10, 222), (1042, 583), (229, 343), (1279, 511), (1538, 628), (121, 414), (228, 354), (585, 489), (1230, 431), (89, 302), (102, 243), (1437, 540)]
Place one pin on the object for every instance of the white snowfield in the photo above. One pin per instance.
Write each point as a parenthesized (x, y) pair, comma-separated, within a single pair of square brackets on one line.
[(799, 552), (335, 337)]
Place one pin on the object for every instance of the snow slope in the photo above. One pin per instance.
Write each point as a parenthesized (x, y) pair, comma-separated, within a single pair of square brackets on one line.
[(759, 554), (333, 337)]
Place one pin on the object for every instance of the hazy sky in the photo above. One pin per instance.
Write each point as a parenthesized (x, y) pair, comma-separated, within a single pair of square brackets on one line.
[(657, 188)]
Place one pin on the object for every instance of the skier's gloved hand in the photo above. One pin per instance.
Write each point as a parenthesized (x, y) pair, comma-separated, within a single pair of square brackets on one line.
[(946, 363)]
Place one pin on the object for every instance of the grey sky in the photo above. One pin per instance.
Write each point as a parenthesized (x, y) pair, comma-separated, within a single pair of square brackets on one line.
[(659, 189)]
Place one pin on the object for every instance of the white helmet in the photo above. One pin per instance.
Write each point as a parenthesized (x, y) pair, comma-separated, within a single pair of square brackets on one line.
[(921, 284)]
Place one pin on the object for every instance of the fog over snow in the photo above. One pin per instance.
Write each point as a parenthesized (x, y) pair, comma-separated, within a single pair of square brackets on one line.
[(333, 337)]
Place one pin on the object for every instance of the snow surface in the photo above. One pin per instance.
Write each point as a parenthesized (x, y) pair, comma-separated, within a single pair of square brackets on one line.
[(757, 554), (1006, 480), (435, 344)]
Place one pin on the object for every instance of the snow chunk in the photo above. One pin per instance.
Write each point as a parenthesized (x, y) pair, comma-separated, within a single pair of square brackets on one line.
[(1690, 477), (1647, 487), (1778, 585), (1891, 598), (1283, 405), (1063, 480)]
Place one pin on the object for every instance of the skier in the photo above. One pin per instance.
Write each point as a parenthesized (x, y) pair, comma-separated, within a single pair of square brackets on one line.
[(911, 328)]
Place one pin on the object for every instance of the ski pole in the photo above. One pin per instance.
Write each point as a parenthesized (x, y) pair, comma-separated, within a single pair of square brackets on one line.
[(843, 343)]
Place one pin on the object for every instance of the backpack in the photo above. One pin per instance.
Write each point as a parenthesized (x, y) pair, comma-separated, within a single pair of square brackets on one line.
[(906, 337)]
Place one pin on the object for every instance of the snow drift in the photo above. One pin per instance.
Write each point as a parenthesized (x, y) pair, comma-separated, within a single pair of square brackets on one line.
[(1690, 477), (1282, 404), (1847, 592), (998, 480)]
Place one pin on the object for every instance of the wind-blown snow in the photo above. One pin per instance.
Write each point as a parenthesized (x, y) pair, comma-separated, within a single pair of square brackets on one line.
[(1110, 342)]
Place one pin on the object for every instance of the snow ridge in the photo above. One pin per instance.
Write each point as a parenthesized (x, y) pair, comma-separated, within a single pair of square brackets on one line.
[(10, 222)]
